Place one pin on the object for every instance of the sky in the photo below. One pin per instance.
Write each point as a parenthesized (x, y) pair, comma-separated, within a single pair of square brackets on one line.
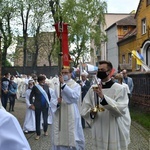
[(121, 6)]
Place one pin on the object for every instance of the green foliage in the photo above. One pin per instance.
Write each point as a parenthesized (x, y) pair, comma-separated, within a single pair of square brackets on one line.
[(85, 19), (56, 50), (7, 11), (7, 64), (33, 16), (141, 117)]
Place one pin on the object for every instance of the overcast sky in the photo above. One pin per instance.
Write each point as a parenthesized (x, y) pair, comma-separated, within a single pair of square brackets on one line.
[(121, 6)]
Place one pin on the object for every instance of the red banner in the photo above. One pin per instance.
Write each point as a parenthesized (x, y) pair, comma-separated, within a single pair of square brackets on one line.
[(62, 33)]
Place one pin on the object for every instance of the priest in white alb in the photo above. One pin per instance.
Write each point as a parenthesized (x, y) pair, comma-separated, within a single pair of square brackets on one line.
[(105, 107), (67, 128)]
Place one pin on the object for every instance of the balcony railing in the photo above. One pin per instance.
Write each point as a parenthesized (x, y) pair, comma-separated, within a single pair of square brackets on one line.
[(125, 66)]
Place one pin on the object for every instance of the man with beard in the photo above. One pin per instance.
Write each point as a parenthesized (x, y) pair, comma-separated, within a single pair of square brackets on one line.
[(106, 108)]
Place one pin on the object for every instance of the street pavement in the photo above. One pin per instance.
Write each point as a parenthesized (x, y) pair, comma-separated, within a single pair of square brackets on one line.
[(140, 137)]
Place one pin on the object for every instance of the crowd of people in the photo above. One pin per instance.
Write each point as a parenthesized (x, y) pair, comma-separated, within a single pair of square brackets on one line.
[(69, 106)]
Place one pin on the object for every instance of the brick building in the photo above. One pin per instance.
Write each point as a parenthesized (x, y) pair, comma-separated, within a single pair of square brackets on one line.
[(45, 44)]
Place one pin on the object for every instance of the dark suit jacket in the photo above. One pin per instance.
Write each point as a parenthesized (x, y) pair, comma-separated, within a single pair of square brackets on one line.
[(37, 94), (129, 83), (85, 88)]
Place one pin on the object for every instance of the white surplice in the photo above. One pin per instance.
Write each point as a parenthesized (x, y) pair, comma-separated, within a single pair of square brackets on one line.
[(110, 128), (70, 136), (11, 134), (53, 105), (29, 121)]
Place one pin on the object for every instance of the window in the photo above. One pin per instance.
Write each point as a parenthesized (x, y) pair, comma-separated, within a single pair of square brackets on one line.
[(148, 2), (125, 28), (123, 59), (144, 26), (130, 59)]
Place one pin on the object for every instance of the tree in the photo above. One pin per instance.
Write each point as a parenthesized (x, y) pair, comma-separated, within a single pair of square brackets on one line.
[(7, 11), (55, 10), (56, 14), (24, 9), (85, 18), (48, 45), (34, 16), (37, 22)]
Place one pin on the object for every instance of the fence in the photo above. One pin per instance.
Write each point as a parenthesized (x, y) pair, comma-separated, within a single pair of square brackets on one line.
[(47, 70), (141, 91)]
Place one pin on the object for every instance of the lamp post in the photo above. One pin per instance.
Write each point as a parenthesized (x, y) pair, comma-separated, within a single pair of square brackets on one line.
[(0, 64)]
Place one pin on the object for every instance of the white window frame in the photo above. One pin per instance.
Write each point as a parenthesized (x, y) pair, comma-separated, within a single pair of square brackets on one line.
[(123, 59), (125, 28), (143, 25), (130, 59)]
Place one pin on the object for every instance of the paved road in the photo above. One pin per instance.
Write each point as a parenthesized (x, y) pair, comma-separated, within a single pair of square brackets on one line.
[(140, 138)]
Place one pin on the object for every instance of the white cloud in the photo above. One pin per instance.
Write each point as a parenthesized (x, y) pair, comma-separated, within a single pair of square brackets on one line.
[(122, 6)]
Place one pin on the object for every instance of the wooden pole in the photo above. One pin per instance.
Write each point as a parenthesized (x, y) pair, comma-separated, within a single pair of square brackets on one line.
[(60, 67)]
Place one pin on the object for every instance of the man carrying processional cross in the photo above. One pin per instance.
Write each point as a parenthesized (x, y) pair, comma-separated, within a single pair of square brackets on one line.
[(67, 128)]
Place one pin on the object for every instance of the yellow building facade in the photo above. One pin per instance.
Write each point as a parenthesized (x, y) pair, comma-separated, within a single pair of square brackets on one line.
[(138, 39)]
